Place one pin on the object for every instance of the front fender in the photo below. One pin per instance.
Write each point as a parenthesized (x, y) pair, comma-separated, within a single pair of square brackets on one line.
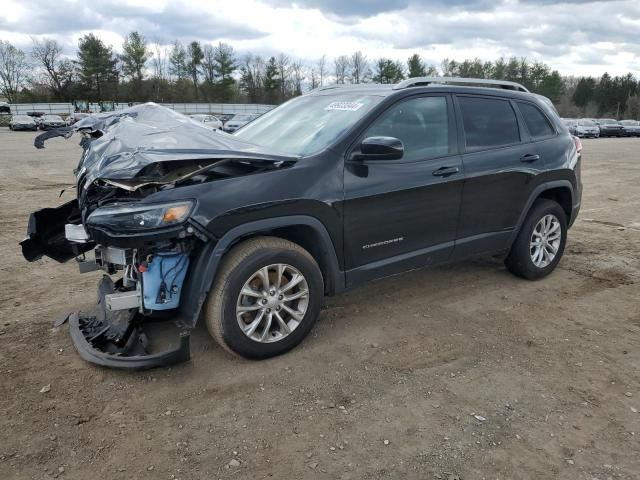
[(207, 261)]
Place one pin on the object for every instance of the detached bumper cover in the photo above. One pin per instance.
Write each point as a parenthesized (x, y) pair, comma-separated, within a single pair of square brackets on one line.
[(118, 339)]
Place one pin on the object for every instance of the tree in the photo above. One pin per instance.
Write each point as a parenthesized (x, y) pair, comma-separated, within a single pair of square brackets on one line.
[(416, 67), (97, 68), (13, 70), (322, 69), (135, 54), (224, 64), (552, 86), (359, 66), (194, 60), (178, 61), (388, 71), (341, 65), (297, 72), (585, 92), (252, 75), (284, 70), (271, 82), (58, 72)]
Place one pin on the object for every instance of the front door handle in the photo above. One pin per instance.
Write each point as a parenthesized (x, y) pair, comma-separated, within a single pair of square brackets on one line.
[(529, 158), (446, 171)]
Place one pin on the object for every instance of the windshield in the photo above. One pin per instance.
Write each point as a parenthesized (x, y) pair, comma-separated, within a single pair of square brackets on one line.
[(632, 123), (587, 123), (22, 118), (308, 124), (53, 118), (607, 121)]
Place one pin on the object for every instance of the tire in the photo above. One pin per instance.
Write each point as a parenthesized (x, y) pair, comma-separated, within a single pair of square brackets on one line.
[(520, 260), (241, 265)]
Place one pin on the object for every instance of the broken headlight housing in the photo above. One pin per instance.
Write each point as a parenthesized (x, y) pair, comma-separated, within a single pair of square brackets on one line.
[(133, 218)]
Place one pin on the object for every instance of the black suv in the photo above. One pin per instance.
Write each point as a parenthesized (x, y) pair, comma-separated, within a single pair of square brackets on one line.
[(330, 190)]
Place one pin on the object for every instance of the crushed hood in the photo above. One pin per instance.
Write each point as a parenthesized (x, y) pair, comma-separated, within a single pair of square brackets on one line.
[(122, 147)]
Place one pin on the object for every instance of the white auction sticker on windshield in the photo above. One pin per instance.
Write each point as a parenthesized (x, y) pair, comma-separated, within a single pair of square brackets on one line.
[(344, 106)]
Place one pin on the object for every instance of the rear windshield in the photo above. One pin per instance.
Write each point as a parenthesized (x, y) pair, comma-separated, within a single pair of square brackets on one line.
[(308, 124), (607, 121), (587, 123)]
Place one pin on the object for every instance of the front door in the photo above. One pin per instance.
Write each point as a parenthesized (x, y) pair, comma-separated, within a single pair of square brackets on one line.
[(402, 214)]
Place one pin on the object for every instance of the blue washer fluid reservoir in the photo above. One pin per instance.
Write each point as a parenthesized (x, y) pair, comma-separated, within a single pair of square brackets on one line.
[(162, 282)]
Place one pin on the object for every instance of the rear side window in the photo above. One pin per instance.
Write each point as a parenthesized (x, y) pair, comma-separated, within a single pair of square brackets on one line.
[(536, 121), (488, 123)]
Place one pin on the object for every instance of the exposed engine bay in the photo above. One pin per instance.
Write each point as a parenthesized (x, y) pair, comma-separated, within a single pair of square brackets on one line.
[(144, 245)]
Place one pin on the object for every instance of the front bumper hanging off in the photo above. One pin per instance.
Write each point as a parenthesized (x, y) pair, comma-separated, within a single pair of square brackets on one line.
[(120, 339)]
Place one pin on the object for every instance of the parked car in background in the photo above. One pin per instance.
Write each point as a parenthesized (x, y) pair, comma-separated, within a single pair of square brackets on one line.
[(37, 116), (610, 127), (631, 128), (238, 121), (74, 117), (5, 107), (210, 121), (585, 128), (48, 122), (23, 122)]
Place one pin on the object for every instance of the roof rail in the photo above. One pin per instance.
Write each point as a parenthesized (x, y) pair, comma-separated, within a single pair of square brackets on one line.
[(425, 81)]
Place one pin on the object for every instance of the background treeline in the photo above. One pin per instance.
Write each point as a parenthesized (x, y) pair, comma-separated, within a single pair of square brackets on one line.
[(217, 73)]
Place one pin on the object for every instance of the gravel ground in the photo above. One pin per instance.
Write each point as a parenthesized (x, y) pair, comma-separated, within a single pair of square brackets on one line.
[(458, 372)]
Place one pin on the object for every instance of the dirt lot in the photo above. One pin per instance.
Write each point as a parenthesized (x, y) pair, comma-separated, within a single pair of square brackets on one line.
[(384, 387)]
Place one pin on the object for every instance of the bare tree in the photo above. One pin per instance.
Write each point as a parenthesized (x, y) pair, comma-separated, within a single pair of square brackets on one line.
[(252, 71), (284, 70), (209, 64), (341, 65), (297, 70), (13, 70), (322, 69), (359, 64), (58, 71)]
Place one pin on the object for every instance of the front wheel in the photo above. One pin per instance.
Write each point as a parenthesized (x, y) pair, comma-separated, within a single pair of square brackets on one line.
[(266, 298), (540, 243)]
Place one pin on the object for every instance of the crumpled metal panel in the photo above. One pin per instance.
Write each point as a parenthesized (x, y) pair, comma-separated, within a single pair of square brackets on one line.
[(119, 145)]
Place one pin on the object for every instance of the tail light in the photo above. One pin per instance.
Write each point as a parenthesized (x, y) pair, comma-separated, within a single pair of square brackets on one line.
[(578, 143)]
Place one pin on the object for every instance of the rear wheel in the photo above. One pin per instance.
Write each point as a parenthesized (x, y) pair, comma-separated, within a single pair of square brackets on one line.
[(540, 242), (266, 298)]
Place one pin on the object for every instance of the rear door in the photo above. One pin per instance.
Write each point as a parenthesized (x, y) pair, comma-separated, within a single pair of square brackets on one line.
[(402, 214), (502, 167)]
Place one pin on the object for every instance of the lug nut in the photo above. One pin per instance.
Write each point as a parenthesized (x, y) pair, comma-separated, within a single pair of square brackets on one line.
[(272, 293), (278, 308), (280, 297), (264, 301), (268, 310)]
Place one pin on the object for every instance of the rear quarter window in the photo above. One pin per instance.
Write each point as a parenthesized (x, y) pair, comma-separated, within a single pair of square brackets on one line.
[(536, 121), (488, 123)]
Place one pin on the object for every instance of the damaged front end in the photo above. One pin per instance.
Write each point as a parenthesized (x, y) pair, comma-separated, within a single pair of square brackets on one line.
[(148, 245)]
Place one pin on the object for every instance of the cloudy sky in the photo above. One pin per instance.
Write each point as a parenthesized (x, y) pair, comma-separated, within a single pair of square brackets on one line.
[(575, 36)]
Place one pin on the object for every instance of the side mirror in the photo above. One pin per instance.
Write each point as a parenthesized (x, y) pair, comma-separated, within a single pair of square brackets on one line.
[(381, 148)]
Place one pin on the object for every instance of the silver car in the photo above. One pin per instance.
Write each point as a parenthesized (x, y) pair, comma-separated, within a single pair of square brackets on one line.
[(238, 121), (585, 128), (631, 128), (210, 121), (23, 122)]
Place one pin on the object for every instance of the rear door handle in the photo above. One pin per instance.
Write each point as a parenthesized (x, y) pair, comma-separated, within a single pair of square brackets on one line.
[(446, 171), (529, 158)]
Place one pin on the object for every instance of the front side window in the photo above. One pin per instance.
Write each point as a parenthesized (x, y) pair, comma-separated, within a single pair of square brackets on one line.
[(421, 123), (488, 123), (308, 124), (535, 120)]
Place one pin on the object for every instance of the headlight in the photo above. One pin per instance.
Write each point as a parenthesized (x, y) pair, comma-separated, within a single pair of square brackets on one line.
[(133, 218)]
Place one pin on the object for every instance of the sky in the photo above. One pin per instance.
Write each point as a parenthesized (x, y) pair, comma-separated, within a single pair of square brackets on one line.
[(576, 37)]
